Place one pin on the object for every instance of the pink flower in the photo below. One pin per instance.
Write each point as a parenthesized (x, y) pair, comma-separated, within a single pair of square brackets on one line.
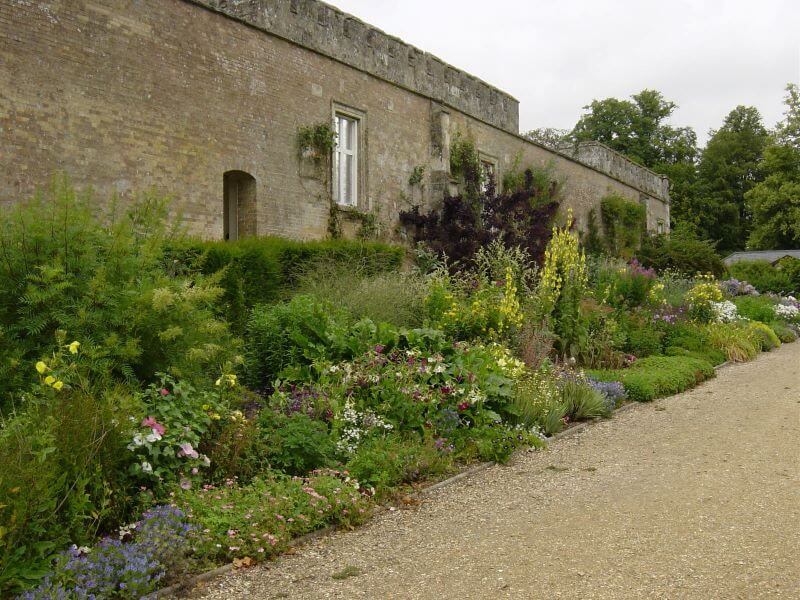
[(154, 425), (164, 392), (188, 451), (186, 484)]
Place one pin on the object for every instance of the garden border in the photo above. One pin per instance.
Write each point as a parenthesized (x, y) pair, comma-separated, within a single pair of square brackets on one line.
[(193, 581)]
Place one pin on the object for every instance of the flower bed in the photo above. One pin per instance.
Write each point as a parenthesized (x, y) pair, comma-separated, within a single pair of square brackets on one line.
[(142, 438)]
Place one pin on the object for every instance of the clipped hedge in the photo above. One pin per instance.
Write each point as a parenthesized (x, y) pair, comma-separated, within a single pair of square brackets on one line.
[(263, 270), (659, 376)]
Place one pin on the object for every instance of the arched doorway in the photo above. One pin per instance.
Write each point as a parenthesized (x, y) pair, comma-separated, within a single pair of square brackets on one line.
[(239, 205)]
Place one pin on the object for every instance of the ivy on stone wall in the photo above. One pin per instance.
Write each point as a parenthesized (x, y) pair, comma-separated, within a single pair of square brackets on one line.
[(624, 223), (465, 165)]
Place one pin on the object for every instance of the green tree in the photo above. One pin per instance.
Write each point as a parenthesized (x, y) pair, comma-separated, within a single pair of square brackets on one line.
[(728, 169), (775, 201), (637, 128), (550, 137)]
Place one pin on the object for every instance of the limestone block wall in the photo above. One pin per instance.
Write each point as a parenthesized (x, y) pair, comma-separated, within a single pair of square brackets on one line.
[(171, 95)]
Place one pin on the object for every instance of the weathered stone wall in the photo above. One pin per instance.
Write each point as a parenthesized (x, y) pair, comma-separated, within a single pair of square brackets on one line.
[(328, 30), (126, 96)]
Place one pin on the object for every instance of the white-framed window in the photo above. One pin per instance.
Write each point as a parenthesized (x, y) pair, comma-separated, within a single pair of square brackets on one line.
[(345, 159)]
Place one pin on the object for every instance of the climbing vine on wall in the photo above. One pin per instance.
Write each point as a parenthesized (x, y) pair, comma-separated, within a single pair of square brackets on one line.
[(624, 223), (316, 141), (465, 165)]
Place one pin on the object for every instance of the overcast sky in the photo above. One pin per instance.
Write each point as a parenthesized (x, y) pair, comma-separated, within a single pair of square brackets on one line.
[(556, 56)]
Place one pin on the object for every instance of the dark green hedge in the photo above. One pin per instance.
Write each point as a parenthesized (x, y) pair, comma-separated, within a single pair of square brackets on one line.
[(263, 270)]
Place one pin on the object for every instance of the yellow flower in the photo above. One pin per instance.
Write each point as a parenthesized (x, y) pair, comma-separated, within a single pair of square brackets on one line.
[(73, 347), (58, 385), (49, 380), (41, 367)]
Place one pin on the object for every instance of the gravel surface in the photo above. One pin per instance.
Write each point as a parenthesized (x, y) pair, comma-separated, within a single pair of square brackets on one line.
[(694, 496)]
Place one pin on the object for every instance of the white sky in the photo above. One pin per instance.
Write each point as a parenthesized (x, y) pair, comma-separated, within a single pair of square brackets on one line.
[(556, 56)]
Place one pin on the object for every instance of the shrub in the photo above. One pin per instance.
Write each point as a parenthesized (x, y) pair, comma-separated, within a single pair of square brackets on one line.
[(474, 308), (755, 308), (659, 376), (296, 444), (764, 336), (465, 224), (102, 279), (681, 253), (701, 298), (280, 335), (495, 443), (263, 270), (735, 340), (642, 339), (765, 277), (612, 391), (387, 462)]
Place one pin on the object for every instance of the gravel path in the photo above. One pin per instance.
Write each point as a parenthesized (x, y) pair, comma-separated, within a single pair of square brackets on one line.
[(695, 496)]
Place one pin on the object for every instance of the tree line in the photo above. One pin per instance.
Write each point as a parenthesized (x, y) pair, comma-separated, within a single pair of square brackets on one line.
[(742, 190)]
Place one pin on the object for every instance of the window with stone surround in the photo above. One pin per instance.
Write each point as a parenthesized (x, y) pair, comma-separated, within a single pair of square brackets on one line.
[(488, 173), (346, 159)]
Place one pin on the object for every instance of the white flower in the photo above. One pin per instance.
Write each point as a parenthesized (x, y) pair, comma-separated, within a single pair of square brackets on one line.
[(786, 311), (725, 311), (439, 369), (153, 437), (147, 467)]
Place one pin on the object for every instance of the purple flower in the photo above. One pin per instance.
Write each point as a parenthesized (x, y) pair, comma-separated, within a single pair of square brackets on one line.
[(187, 451)]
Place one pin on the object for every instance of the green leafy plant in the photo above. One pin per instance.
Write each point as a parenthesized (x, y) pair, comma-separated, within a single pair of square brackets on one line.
[(465, 165), (624, 224), (756, 308), (582, 401), (316, 141), (296, 444), (388, 462)]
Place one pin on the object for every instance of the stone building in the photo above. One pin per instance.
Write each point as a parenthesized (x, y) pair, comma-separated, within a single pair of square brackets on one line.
[(204, 99)]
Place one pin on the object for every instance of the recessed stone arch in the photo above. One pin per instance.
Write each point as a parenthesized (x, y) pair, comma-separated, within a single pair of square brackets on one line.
[(239, 206)]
